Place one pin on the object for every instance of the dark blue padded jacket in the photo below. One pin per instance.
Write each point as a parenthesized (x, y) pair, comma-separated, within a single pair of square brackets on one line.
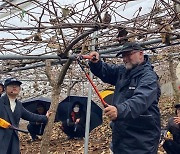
[(137, 127)]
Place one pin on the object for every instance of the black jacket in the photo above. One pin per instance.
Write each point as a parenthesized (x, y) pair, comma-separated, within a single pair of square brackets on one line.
[(14, 117), (174, 129), (136, 96)]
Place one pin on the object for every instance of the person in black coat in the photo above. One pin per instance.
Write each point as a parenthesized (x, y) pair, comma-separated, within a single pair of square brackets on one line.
[(36, 128), (134, 112), (74, 127), (12, 110), (173, 146)]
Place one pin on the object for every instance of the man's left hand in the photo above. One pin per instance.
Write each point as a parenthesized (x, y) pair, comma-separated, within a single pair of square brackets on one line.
[(111, 112)]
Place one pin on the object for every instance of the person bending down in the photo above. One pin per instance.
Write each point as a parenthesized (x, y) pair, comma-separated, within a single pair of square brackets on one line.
[(36, 128)]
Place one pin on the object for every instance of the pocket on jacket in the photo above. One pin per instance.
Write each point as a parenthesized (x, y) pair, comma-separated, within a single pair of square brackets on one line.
[(145, 122)]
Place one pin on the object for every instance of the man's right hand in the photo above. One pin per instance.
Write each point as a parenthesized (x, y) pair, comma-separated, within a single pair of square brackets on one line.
[(95, 56), (77, 121)]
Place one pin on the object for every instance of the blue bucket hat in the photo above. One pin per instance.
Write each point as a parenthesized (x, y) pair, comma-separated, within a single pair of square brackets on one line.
[(130, 46), (10, 81)]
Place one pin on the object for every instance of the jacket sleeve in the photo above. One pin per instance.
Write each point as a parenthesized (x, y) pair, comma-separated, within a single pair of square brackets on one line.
[(106, 72), (145, 94), (32, 117)]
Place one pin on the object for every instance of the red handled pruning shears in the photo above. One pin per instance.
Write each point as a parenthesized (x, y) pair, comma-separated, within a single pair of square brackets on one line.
[(79, 58)]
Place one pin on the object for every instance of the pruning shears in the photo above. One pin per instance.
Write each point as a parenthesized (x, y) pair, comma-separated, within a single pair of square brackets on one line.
[(79, 60)]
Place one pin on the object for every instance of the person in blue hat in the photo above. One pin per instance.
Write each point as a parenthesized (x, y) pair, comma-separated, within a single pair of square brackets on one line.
[(172, 146), (11, 110), (134, 112), (1, 88)]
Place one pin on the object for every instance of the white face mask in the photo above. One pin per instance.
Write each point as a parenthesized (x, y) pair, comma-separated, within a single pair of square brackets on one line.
[(76, 109)]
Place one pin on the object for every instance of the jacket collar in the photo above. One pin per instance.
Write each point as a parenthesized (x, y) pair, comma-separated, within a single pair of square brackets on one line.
[(6, 100), (8, 108), (138, 70)]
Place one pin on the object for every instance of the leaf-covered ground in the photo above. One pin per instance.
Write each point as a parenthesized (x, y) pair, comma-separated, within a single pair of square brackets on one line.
[(98, 141)]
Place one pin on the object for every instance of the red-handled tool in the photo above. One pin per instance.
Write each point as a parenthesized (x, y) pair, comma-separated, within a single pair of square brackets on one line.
[(85, 57), (87, 75)]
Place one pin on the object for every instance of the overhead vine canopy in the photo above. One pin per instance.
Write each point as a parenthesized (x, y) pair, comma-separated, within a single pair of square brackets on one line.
[(51, 27)]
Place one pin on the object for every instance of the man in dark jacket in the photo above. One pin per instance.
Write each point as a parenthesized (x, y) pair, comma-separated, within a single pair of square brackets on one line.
[(12, 110), (173, 146), (134, 111)]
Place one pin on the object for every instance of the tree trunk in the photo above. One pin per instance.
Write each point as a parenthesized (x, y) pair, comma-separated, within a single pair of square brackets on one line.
[(45, 143), (173, 79), (56, 90)]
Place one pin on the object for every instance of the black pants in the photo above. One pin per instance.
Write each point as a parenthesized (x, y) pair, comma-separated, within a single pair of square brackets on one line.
[(171, 147), (73, 130), (35, 130)]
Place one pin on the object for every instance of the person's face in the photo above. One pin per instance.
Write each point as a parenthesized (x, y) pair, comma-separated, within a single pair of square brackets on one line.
[(178, 112), (40, 110), (76, 108), (1, 89), (13, 89), (133, 58)]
